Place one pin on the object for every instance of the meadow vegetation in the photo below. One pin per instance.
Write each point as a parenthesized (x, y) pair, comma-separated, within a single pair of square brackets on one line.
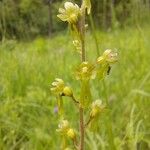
[(28, 119)]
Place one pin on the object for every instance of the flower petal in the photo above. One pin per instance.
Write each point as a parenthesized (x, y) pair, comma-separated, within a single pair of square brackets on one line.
[(68, 5)]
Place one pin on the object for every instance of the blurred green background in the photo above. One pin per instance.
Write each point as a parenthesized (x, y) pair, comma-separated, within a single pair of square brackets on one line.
[(36, 47)]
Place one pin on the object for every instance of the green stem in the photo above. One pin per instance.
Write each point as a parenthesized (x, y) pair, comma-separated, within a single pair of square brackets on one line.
[(81, 128)]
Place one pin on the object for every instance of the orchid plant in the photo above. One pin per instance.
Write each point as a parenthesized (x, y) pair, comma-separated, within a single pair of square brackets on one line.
[(84, 73)]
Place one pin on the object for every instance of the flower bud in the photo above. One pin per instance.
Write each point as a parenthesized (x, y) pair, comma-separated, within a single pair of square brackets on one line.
[(67, 91), (71, 133)]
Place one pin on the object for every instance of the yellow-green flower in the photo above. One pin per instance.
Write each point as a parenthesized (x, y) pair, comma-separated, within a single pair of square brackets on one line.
[(70, 13), (63, 126), (97, 107), (58, 86), (108, 56), (105, 61), (85, 71)]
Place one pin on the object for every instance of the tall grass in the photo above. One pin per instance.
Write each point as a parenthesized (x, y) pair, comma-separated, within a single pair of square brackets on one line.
[(27, 116)]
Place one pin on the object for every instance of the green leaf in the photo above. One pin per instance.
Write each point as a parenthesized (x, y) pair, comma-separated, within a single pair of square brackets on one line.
[(86, 97)]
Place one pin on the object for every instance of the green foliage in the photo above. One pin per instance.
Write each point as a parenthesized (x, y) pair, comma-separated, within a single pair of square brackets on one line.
[(24, 19)]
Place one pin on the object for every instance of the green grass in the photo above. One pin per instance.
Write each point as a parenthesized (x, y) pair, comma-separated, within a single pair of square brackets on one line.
[(27, 118)]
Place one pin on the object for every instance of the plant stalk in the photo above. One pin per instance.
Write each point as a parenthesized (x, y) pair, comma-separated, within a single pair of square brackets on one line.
[(81, 129), (83, 58)]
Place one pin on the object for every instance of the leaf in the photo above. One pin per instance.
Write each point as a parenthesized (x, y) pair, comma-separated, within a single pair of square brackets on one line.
[(86, 97)]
